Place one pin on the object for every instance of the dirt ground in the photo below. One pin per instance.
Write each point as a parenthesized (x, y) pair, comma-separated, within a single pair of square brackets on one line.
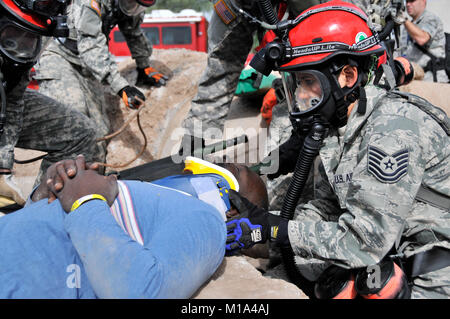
[(165, 109)]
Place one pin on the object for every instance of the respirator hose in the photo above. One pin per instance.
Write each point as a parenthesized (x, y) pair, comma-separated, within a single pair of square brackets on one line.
[(268, 12), (303, 166)]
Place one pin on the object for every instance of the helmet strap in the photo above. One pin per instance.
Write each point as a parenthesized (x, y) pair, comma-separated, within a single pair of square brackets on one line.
[(342, 97)]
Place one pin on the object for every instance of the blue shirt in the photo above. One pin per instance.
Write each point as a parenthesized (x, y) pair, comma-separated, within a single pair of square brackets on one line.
[(163, 244)]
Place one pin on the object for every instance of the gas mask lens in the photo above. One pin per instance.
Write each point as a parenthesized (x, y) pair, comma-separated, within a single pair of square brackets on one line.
[(304, 90), (308, 92), (130, 7), (20, 45)]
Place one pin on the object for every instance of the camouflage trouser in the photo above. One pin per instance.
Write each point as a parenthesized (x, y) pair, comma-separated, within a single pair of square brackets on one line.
[(228, 47), (68, 84), (43, 124)]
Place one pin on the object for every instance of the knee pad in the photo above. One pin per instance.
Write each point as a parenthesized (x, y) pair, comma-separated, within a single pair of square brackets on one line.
[(386, 280), (336, 283)]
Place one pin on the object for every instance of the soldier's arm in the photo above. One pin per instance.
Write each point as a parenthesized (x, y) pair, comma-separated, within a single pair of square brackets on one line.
[(94, 51), (140, 47), (419, 36), (376, 205)]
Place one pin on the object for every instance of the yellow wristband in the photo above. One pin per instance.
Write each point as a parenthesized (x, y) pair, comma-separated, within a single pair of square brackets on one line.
[(85, 199)]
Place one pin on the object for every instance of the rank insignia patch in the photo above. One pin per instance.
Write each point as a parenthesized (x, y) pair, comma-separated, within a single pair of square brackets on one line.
[(387, 168)]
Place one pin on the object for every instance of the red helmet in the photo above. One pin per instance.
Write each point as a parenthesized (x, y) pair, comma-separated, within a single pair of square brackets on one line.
[(329, 29), (146, 3)]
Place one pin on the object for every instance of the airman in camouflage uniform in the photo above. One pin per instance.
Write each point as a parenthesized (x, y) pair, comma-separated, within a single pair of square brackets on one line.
[(278, 186), (73, 70), (431, 24), (367, 206), (385, 176)]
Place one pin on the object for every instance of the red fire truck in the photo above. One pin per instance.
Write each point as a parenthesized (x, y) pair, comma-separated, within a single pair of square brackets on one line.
[(167, 30)]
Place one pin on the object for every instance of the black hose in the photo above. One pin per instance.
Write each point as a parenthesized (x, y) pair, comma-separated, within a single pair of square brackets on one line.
[(303, 166), (268, 12), (383, 34)]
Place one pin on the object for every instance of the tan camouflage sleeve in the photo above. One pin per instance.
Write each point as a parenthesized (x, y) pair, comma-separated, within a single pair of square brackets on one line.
[(140, 47), (94, 51), (387, 167)]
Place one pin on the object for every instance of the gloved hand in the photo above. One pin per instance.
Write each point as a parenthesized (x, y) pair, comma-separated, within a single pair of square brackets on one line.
[(269, 101), (401, 17), (404, 71), (253, 225), (288, 154), (149, 76), (131, 96)]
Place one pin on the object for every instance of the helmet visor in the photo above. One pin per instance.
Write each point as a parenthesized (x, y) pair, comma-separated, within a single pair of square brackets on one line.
[(131, 7), (18, 44), (304, 90)]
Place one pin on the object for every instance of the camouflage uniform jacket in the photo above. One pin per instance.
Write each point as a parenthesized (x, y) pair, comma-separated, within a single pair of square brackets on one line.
[(366, 205), (85, 21)]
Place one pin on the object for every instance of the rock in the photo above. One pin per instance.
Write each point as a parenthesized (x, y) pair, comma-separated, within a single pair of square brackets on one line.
[(165, 107), (236, 278), (436, 93)]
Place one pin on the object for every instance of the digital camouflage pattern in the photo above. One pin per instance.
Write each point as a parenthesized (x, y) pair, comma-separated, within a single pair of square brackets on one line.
[(76, 79), (358, 214), (280, 115), (35, 121)]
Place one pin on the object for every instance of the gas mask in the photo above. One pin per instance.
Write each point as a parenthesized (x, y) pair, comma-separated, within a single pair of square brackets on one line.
[(19, 49), (22, 25), (316, 94), (18, 44)]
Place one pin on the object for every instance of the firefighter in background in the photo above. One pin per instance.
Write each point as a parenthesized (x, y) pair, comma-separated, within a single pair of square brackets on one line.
[(384, 197), (28, 119), (73, 70)]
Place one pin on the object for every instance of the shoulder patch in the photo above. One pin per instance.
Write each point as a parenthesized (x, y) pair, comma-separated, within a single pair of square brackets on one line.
[(96, 6), (224, 12), (385, 167)]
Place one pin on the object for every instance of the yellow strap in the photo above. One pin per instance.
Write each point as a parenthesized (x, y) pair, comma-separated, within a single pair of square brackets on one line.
[(86, 198)]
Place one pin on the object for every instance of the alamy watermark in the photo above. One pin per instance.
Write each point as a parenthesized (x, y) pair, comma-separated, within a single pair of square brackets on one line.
[(74, 278), (261, 146)]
